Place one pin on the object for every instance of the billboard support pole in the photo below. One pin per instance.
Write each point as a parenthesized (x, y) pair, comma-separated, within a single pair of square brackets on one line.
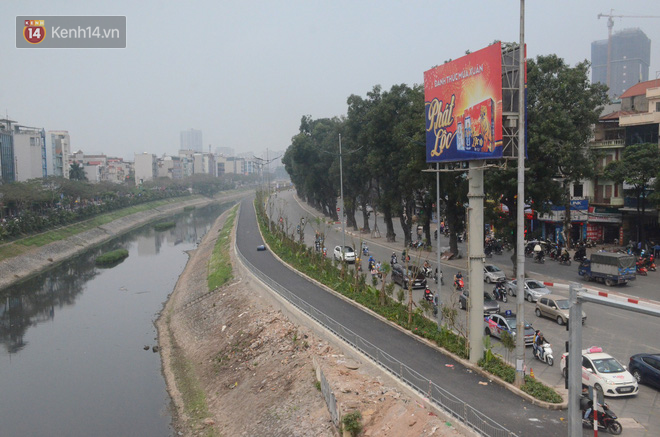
[(476, 258), (520, 216), (437, 243)]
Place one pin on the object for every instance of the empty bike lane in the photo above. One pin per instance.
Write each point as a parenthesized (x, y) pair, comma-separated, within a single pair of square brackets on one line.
[(499, 404)]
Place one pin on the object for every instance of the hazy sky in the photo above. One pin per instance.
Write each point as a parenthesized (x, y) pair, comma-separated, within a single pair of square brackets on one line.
[(245, 72)]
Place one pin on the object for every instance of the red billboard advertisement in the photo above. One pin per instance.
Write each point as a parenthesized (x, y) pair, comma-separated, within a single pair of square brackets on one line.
[(463, 100)]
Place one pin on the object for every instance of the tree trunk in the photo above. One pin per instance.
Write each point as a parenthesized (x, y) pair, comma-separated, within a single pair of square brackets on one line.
[(567, 217), (390, 236), (365, 217)]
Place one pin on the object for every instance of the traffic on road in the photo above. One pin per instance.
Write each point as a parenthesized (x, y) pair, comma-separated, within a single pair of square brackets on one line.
[(620, 334)]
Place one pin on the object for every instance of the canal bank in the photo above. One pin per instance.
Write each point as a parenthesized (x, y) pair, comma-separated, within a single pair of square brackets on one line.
[(16, 269)]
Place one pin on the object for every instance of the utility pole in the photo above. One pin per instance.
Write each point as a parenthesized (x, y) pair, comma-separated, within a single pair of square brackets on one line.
[(341, 213), (520, 216)]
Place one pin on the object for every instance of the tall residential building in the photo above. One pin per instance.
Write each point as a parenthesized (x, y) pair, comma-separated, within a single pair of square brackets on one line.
[(29, 153), (630, 58), (191, 140), (60, 144)]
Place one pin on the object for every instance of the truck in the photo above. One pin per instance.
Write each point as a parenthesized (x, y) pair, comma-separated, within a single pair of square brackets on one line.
[(609, 268)]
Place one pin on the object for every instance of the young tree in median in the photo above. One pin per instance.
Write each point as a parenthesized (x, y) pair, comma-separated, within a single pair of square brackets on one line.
[(639, 164)]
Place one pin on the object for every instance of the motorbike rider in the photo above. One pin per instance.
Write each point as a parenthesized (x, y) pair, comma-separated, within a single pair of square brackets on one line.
[(428, 295), (538, 344), (586, 403), (393, 259), (499, 290), (538, 251), (458, 276)]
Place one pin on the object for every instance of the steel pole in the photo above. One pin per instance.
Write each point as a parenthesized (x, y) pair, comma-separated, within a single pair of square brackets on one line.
[(574, 361), (476, 258), (341, 193), (520, 210), (437, 239)]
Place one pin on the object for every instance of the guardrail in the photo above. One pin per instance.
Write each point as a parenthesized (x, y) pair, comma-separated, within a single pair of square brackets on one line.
[(436, 394)]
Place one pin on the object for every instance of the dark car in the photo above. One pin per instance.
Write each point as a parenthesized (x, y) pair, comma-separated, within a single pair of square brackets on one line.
[(402, 277), (645, 368), (490, 305)]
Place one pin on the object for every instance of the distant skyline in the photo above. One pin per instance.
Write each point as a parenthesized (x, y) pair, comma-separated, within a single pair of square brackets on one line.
[(245, 72)]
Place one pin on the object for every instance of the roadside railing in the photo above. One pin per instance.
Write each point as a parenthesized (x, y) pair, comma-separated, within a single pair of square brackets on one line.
[(436, 394)]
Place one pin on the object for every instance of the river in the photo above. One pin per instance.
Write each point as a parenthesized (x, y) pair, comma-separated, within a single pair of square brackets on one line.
[(72, 357)]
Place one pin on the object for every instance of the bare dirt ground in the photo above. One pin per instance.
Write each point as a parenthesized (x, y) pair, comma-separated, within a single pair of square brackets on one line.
[(254, 366)]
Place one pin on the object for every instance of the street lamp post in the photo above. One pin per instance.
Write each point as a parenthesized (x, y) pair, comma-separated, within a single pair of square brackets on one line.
[(341, 194)]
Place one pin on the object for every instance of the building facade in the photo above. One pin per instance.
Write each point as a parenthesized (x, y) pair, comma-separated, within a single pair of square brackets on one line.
[(60, 144), (146, 168), (630, 58), (7, 172), (29, 153)]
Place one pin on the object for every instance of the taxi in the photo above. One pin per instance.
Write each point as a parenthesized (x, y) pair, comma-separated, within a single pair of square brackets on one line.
[(604, 373), (496, 324)]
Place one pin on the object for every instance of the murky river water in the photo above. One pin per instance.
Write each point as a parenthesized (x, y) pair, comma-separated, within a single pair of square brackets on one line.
[(72, 358)]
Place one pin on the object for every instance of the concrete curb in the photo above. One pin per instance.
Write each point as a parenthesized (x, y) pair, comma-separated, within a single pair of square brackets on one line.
[(467, 364)]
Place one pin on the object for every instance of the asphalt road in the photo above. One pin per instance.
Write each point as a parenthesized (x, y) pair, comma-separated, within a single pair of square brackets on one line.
[(619, 333), (494, 401)]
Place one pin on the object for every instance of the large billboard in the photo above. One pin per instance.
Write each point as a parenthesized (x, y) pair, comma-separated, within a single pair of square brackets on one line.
[(463, 100)]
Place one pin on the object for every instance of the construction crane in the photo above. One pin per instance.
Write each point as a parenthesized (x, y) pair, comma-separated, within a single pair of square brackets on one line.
[(610, 25)]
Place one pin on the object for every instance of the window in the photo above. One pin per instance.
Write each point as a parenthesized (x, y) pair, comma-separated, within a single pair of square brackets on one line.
[(657, 106), (577, 190)]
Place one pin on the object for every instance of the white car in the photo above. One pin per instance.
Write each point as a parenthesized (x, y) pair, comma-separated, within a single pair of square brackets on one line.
[(348, 254), (533, 289), (603, 372), (493, 274)]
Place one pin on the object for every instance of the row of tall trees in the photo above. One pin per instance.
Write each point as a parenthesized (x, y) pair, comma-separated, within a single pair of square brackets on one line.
[(383, 156)]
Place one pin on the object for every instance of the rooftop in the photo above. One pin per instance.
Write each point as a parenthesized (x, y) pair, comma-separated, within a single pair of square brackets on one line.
[(639, 89)]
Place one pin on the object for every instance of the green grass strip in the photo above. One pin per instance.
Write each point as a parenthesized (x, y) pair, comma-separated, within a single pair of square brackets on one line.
[(220, 264)]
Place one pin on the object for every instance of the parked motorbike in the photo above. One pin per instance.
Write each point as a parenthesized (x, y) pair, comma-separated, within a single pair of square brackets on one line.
[(499, 292), (547, 353), (606, 421)]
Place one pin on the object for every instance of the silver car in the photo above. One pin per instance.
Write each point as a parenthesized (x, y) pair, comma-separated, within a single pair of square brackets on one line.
[(555, 307), (348, 254), (533, 289), (493, 274)]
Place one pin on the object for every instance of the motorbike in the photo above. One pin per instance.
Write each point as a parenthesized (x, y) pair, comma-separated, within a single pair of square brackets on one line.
[(459, 284), (488, 251), (365, 250), (393, 260), (435, 277), (641, 270), (430, 298), (539, 258), (499, 292), (649, 262), (580, 254), (606, 421), (565, 259), (547, 353), (426, 270)]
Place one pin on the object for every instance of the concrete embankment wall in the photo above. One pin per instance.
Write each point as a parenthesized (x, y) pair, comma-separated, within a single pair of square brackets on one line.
[(15, 269)]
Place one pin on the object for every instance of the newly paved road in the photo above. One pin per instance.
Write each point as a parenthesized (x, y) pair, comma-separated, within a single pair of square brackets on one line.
[(499, 404), (620, 333)]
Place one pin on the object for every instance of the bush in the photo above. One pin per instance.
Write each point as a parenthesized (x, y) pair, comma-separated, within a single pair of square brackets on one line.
[(111, 258), (353, 422), (163, 226)]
